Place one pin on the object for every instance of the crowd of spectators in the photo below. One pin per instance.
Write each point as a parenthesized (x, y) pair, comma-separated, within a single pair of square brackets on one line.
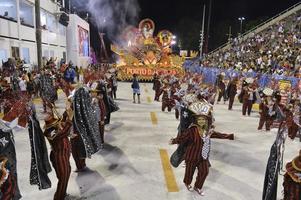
[(276, 50), (16, 75)]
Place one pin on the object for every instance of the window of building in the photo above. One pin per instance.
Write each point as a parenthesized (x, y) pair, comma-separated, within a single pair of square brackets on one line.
[(15, 52), (51, 23), (25, 54), (62, 29), (43, 19), (64, 56), (8, 10), (51, 54), (26, 13), (46, 54), (3, 56)]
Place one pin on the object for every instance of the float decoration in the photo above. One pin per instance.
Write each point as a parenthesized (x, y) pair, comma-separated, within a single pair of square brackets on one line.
[(144, 54)]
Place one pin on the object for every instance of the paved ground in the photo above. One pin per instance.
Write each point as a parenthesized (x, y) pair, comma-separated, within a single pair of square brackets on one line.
[(130, 166)]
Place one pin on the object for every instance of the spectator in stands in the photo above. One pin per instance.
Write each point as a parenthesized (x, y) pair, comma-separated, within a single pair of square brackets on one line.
[(275, 50)]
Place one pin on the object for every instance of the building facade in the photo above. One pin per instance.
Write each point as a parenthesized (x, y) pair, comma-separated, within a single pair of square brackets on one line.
[(17, 30)]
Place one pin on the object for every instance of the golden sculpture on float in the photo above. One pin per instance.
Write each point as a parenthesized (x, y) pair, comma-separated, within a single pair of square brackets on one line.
[(143, 54)]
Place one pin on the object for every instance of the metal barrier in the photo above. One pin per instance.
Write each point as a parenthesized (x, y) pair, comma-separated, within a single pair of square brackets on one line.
[(210, 75)]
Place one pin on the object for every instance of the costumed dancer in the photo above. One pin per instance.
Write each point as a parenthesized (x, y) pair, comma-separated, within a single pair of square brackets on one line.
[(231, 92), (57, 130), (248, 97), (9, 189), (175, 87), (64, 85), (47, 90), (7, 96), (98, 102), (156, 86), (221, 87), (198, 138), (7, 181), (86, 140), (115, 85), (289, 126), (109, 80), (267, 110), (109, 102), (166, 97), (40, 166), (178, 102), (292, 179), (273, 168), (204, 96), (24, 110), (110, 105), (186, 119)]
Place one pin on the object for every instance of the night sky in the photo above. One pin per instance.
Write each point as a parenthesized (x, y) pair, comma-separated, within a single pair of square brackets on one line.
[(166, 13), (184, 17)]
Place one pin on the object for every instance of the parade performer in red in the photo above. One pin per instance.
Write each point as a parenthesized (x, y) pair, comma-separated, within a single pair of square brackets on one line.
[(7, 181), (75, 144), (167, 101), (57, 130), (197, 153), (86, 128), (221, 87), (292, 179), (98, 101), (157, 86), (248, 99), (47, 89), (266, 110), (231, 92)]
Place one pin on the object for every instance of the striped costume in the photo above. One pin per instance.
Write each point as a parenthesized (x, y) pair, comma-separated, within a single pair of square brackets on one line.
[(193, 157), (59, 156), (292, 179)]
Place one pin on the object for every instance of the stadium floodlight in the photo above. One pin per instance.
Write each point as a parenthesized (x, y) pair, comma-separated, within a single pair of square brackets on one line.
[(241, 19)]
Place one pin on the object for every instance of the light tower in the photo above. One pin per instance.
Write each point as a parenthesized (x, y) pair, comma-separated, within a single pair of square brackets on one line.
[(202, 32), (241, 19)]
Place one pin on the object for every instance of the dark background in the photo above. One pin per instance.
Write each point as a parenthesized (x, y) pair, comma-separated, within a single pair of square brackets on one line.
[(184, 18)]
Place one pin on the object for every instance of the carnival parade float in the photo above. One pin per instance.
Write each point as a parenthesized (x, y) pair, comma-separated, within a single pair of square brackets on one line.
[(140, 52)]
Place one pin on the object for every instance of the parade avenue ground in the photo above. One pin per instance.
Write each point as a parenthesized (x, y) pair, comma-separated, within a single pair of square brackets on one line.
[(134, 165)]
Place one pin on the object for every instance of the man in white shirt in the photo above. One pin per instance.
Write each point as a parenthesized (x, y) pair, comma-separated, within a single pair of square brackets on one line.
[(23, 86)]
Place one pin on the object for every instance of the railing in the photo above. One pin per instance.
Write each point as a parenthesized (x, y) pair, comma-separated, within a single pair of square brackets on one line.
[(210, 75), (258, 26)]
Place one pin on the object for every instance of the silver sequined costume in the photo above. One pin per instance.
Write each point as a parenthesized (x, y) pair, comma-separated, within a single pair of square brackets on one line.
[(86, 123)]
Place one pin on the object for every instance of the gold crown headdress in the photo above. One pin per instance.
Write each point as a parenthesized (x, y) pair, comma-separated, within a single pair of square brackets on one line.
[(201, 108)]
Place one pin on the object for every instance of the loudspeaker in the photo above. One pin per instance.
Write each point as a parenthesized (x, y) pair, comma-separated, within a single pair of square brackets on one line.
[(64, 19)]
